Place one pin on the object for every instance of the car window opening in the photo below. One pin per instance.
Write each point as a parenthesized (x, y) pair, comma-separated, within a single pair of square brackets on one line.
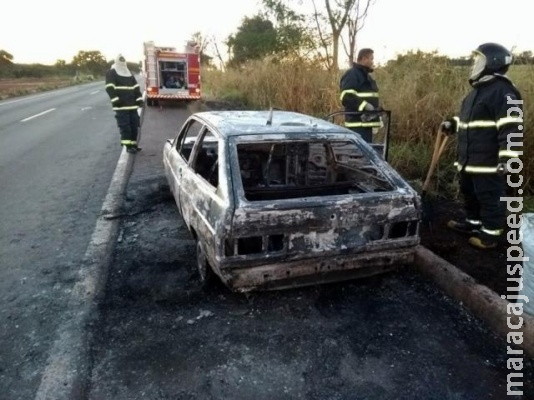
[(207, 160), (296, 169)]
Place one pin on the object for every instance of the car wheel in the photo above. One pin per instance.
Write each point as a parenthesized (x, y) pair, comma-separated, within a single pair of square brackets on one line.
[(205, 272)]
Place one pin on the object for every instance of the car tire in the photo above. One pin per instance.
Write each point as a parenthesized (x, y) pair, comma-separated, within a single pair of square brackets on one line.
[(205, 273)]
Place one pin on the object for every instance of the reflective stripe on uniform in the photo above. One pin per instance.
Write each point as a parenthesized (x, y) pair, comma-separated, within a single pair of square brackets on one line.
[(475, 169), (125, 108), (477, 124), (473, 221), (457, 119), (489, 124), (480, 170), (509, 120), (362, 106), (139, 99), (362, 124), (122, 87), (357, 94), (492, 232), (114, 99), (127, 142), (508, 153)]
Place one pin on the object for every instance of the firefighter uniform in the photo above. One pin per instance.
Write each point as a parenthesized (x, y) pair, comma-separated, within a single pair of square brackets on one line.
[(487, 123), (359, 92), (123, 90)]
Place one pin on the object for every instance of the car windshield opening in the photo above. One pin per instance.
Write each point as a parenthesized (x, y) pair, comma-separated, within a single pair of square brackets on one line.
[(296, 169)]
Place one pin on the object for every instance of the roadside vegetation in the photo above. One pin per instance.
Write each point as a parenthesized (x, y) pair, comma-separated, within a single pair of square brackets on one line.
[(285, 58), (420, 89), (22, 79)]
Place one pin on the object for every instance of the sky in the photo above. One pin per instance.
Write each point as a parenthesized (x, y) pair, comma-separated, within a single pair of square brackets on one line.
[(56, 29)]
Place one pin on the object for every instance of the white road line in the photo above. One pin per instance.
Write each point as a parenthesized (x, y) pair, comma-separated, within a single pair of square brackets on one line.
[(95, 92), (37, 115)]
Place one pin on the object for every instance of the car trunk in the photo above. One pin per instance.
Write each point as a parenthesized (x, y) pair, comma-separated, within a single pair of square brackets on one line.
[(316, 197)]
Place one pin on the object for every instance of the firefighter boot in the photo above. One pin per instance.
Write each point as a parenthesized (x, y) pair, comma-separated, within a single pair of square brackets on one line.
[(468, 226), (483, 241), (131, 149)]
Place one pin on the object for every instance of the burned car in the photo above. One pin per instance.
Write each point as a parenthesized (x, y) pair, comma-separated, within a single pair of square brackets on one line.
[(277, 199)]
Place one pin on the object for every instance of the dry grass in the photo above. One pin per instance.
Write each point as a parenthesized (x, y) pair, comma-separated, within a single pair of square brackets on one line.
[(24, 86), (420, 90)]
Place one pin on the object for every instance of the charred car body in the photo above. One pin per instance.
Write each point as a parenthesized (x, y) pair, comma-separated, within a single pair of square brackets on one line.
[(281, 199)]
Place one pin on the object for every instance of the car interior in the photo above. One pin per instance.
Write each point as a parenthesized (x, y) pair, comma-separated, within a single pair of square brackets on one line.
[(294, 169)]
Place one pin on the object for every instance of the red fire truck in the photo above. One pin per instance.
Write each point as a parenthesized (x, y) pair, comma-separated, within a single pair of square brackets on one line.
[(170, 74)]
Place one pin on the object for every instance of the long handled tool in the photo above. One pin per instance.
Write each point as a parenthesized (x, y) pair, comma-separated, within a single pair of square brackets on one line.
[(427, 206)]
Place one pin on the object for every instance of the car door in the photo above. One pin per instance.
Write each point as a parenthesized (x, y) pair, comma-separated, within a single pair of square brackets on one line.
[(178, 157), (203, 197)]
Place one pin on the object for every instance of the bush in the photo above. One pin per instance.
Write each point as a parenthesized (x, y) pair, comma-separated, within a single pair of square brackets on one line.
[(419, 88)]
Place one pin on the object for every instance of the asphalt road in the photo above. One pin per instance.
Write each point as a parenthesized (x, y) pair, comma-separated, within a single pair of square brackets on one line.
[(58, 151), (160, 336)]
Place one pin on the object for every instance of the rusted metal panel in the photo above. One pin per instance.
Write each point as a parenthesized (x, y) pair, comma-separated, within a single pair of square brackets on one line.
[(316, 270)]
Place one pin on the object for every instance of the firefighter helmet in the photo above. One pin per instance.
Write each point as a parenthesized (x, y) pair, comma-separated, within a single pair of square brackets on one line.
[(490, 58)]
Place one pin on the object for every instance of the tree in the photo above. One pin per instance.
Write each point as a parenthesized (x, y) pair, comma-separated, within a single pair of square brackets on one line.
[(331, 24), (292, 34), (203, 42), (525, 57), (343, 15), (90, 61), (5, 57), (255, 39), (355, 23)]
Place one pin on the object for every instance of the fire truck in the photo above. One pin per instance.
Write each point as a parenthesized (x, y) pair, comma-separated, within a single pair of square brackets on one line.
[(170, 74)]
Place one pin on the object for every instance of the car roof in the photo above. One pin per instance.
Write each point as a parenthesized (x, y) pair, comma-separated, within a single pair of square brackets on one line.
[(236, 123)]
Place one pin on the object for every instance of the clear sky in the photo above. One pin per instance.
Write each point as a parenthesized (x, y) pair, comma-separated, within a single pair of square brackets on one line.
[(44, 31)]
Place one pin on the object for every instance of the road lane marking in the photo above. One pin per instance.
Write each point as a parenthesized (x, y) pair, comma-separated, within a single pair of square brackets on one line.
[(37, 115), (95, 92)]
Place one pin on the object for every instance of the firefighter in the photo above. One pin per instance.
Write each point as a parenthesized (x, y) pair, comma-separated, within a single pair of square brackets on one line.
[(359, 92), (125, 95), (490, 114)]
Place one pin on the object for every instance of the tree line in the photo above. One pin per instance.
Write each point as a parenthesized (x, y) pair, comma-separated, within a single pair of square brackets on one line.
[(323, 32), (84, 62), (327, 35)]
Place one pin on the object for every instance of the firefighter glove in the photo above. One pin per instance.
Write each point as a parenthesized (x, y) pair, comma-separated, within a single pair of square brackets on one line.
[(369, 117), (502, 168), (449, 126), (369, 107)]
